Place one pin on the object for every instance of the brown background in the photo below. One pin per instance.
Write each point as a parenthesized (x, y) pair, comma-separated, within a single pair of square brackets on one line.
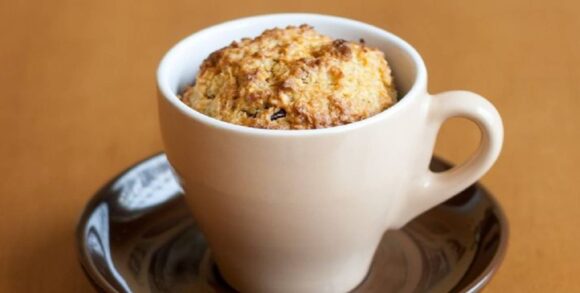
[(77, 105)]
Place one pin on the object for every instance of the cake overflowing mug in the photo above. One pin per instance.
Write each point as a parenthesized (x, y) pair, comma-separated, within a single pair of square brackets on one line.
[(304, 210)]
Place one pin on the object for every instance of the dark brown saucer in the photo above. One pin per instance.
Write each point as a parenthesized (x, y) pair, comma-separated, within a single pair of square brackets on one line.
[(137, 235)]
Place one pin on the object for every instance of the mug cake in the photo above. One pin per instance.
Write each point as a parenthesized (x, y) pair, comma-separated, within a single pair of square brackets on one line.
[(292, 78)]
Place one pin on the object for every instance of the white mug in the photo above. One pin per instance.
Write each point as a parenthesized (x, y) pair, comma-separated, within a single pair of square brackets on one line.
[(304, 210)]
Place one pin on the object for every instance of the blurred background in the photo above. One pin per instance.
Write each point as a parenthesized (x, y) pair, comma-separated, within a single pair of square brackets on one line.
[(78, 106)]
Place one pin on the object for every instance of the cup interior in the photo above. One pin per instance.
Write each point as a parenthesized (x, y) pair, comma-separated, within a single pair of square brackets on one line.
[(180, 65)]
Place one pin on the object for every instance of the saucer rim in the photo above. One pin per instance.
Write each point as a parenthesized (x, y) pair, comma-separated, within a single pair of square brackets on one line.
[(495, 263), (101, 284)]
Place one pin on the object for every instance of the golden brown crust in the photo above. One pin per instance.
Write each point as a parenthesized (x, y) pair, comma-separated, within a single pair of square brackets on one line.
[(292, 78)]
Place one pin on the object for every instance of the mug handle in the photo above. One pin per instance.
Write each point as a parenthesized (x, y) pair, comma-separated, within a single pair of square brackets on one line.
[(430, 188)]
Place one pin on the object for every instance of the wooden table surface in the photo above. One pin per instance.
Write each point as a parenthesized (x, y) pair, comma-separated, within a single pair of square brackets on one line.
[(78, 105)]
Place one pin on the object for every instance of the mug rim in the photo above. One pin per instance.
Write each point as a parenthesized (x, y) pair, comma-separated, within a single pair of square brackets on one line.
[(165, 89)]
